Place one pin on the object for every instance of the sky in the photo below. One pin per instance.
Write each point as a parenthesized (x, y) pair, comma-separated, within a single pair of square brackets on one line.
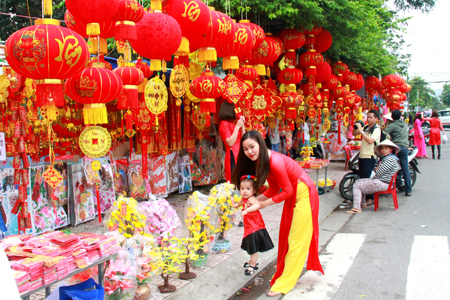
[(429, 42)]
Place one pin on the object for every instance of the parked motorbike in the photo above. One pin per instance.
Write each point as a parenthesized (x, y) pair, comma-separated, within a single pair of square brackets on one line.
[(346, 184)]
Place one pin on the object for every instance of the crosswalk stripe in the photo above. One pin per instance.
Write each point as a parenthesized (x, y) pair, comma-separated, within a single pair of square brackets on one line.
[(429, 269), (336, 260)]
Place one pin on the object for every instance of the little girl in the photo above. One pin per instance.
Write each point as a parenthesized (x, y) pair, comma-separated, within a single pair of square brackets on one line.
[(256, 238)]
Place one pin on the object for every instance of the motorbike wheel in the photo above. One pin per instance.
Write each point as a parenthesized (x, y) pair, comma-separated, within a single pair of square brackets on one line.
[(346, 186), (400, 184)]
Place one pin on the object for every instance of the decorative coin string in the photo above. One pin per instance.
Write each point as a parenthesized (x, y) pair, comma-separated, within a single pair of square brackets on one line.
[(95, 142), (51, 176), (156, 98)]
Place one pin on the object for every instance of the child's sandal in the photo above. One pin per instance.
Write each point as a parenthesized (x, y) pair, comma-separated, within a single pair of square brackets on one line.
[(247, 264), (250, 270)]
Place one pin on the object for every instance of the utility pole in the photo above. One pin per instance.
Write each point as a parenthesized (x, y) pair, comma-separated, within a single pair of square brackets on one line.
[(417, 108)]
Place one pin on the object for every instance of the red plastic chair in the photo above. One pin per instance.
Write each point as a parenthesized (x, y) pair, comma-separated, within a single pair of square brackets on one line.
[(391, 190)]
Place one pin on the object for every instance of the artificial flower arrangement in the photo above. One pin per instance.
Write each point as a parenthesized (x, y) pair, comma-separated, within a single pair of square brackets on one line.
[(126, 217)]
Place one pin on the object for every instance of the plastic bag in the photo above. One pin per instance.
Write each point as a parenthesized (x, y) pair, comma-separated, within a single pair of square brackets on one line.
[(148, 292), (444, 138), (88, 290)]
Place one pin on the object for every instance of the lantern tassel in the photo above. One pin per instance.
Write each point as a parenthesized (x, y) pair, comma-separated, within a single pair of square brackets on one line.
[(208, 106), (126, 30), (93, 29), (144, 158), (95, 114), (48, 7), (51, 112), (132, 96), (49, 91), (99, 209)]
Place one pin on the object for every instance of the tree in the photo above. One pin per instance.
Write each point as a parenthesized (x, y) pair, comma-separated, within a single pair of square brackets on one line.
[(445, 96), (422, 95)]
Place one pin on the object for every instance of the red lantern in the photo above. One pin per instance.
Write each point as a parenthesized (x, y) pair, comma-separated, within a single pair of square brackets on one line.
[(293, 39), (101, 59), (94, 86), (246, 73), (265, 54), (340, 70), (194, 19), (392, 80), (92, 12), (159, 37), (207, 87), (220, 33), (131, 78), (331, 83), (323, 72), (48, 53), (257, 30), (243, 42), (323, 41), (107, 30), (145, 69), (373, 83), (314, 31), (128, 14), (351, 79), (310, 60), (290, 75), (360, 84)]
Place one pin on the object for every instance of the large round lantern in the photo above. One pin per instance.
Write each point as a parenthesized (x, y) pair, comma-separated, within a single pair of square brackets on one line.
[(323, 72), (194, 19), (373, 83), (159, 37), (131, 78), (128, 14), (93, 87), (293, 39), (107, 30), (265, 54), (360, 82), (220, 33), (247, 73), (47, 53), (340, 70), (290, 76), (311, 59), (257, 30), (393, 80), (207, 88), (93, 12), (323, 41), (243, 42), (351, 79)]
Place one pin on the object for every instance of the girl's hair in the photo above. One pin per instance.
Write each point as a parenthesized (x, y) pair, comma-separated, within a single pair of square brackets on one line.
[(253, 183), (434, 114), (418, 116), (226, 112), (244, 165)]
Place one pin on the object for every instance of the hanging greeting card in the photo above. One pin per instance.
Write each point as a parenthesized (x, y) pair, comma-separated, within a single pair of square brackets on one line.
[(95, 141), (179, 82), (158, 178)]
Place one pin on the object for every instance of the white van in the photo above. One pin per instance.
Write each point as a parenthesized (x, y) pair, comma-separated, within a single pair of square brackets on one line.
[(444, 115)]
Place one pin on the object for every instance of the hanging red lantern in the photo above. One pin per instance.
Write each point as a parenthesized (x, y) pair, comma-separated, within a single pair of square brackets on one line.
[(107, 30), (392, 80), (145, 69), (373, 83), (129, 12), (340, 70), (131, 78), (293, 39), (331, 84), (220, 33), (290, 75), (310, 36), (247, 73), (93, 87), (257, 30), (360, 84), (351, 79), (207, 87), (323, 72), (310, 60), (243, 42), (323, 41), (93, 12), (158, 27), (194, 19), (265, 55), (47, 53)]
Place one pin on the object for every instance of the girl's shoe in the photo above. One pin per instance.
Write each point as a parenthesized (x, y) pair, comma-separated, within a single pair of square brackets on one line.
[(433, 156), (439, 156), (250, 270), (247, 264)]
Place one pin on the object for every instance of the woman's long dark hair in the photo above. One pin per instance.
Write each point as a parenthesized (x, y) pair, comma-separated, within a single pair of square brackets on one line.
[(418, 116), (245, 166), (435, 114)]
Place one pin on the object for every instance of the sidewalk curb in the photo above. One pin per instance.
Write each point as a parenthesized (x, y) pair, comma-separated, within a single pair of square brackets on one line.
[(223, 280)]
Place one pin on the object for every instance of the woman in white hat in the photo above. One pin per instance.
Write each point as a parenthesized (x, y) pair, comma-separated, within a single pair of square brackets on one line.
[(387, 168)]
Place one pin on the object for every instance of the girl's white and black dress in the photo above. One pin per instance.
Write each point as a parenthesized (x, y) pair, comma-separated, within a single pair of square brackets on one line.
[(256, 238)]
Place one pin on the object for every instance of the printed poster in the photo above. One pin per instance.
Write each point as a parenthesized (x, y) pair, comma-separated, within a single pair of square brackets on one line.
[(184, 175), (83, 196), (157, 176), (172, 172)]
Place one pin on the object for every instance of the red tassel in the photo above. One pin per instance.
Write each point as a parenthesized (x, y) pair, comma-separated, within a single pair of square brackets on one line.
[(292, 126), (131, 146), (125, 32), (132, 98), (303, 137), (200, 153), (99, 210), (144, 157), (184, 60), (176, 61), (129, 120), (121, 122), (48, 94), (122, 101), (207, 107), (311, 71), (339, 133), (290, 55)]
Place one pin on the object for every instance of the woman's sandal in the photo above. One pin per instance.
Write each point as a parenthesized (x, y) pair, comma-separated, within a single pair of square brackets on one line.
[(247, 264), (354, 211), (250, 270), (273, 294)]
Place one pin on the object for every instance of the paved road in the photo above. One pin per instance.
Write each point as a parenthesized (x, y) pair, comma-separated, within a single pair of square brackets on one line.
[(386, 254)]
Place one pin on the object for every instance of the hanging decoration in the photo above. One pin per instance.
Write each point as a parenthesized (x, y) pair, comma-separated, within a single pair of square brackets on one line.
[(129, 12), (95, 141), (179, 82), (156, 97), (208, 87)]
